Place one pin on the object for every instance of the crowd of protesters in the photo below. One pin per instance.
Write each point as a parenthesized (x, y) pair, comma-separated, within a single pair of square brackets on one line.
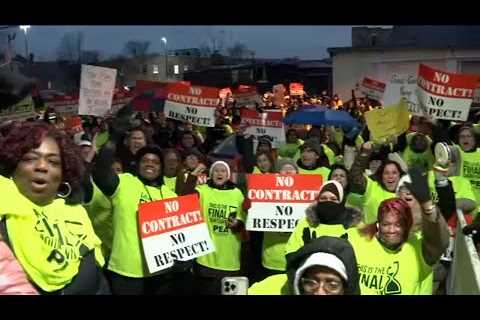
[(381, 224)]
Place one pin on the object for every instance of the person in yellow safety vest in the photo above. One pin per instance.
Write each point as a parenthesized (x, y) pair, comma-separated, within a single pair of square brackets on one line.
[(313, 159), (374, 191), (221, 203), (326, 217), (41, 220), (391, 259), (273, 243), (323, 266)]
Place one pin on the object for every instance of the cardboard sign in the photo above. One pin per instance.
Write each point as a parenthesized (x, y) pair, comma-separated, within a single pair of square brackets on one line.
[(96, 90), (173, 229), (264, 124), (19, 111), (73, 125), (279, 201), (246, 96), (279, 95), (390, 121), (445, 95), (296, 89), (372, 89), (403, 86), (192, 104)]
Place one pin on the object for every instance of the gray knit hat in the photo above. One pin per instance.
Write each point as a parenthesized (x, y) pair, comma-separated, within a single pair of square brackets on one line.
[(283, 161)]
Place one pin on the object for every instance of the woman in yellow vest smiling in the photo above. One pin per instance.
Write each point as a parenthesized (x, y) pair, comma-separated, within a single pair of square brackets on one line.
[(221, 204), (374, 191), (393, 260), (128, 271), (51, 236)]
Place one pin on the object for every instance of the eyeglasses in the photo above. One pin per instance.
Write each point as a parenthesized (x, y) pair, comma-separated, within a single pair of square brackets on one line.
[(330, 286)]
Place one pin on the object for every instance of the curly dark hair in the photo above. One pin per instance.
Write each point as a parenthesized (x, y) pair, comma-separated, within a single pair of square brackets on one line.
[(29, 135)]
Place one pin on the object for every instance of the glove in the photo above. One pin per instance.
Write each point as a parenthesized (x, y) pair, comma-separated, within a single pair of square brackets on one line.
[(419, 186), (307, 237)]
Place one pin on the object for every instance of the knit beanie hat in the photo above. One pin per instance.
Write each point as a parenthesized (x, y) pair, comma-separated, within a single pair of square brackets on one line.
[(334, 187)]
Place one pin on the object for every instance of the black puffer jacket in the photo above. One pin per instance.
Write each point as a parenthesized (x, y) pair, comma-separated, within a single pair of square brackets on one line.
[(339, 247)]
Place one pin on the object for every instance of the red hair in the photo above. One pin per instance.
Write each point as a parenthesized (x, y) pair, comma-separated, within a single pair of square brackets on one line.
[(29, 135), (397, 206)]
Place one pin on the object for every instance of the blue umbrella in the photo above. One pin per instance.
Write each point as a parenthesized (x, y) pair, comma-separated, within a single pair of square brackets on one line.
[(322, 116)]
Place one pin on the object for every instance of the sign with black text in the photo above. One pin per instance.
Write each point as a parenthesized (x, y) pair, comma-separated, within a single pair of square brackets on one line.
[(279, 201), (173, 229)]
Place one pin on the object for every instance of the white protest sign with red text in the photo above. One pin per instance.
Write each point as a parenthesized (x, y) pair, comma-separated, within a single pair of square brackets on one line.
[(193, 104), (445, 95), (268, 123), (246, 96), (279, 201), (373, 89), (173, 229)]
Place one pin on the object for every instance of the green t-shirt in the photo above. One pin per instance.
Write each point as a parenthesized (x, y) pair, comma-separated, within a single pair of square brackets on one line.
[(328, 152), (273, 250), (170, 182), (289, 150), (100, 211), (127, 256), (48, 241), (216, 206), (386, 272), (295, 241), (274, 285), (374, 195), (323, 171), (470, 169)]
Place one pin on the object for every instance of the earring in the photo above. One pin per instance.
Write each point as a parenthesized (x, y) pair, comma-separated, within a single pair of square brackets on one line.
[(66, 194)]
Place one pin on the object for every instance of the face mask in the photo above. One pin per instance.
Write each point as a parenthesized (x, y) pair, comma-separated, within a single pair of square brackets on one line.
[(329, 212)]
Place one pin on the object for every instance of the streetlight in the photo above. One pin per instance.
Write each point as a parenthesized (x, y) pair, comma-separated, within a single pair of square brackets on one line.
[(25, 29), (164, 40)]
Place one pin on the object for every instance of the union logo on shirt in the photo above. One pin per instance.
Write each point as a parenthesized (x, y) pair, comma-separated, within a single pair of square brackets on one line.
[(381, 279)]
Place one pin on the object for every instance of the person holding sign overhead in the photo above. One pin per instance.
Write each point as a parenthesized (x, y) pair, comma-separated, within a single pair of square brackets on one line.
[(221, 204), (127, 268)]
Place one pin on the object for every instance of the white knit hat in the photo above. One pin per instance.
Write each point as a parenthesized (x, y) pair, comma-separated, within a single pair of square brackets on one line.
[(337, 185), (222, 163), (320, 259)]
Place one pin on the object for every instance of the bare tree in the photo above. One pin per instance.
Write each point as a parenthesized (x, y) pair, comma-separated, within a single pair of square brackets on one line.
[(71, 47), (136, 48), (91, 56)]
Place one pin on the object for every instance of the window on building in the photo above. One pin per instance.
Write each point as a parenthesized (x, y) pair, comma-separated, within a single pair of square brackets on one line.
[(176, 69), (155, 69), (145, 69), (185, 68)]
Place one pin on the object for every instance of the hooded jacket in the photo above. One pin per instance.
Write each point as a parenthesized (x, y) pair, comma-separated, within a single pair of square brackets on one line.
[(339, 247)]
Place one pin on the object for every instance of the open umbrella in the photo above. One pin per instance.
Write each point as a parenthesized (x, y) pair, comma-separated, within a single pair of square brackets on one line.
[(322, 116)]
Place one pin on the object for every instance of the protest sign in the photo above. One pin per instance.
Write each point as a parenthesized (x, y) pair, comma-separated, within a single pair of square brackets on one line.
[(296, 89), (149, 96), (445, 95), (20, 111), (246, 96), (372, 89), (387, 122), (64, 106), (173, 229), (279, 201), (264, 124), (193, 104), (96, 90), (279, 95), (73, 125), (403, 86), (225, 93)]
